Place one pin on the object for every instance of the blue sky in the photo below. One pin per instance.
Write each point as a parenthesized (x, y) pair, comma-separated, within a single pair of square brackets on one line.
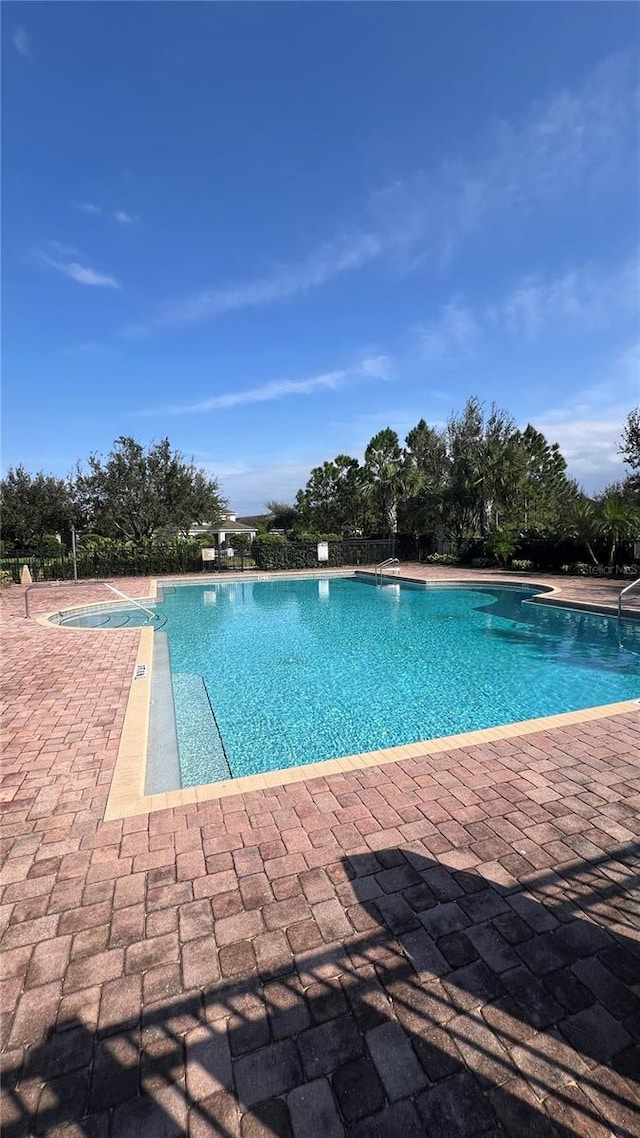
[(269, 230)]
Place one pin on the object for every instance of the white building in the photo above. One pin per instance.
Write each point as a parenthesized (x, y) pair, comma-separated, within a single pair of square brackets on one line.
[(225, 530)]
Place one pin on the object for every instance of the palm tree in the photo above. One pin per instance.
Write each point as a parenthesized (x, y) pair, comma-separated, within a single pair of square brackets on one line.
[(616, 519), (584, 525), (386, 468)]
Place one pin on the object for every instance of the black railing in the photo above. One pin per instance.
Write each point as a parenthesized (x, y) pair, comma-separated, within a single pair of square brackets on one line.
[(158, 560)]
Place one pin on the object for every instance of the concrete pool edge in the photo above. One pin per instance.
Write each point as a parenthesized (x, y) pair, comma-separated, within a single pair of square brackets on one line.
[(129, 772), (126, 795)]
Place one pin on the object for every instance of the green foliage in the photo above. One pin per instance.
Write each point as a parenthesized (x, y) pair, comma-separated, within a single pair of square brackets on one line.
[(316, 537), (502, 546), (284, 517), (134, 493), (441, 559), (111, 558), (522, 564), (50, 546), (334, 499), (630, 442), (33, 505), (6, 578), (274, 552), (240, 542), (483, 562)]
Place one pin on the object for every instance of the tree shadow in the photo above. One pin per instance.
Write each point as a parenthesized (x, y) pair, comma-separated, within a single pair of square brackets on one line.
[(457, 1008)]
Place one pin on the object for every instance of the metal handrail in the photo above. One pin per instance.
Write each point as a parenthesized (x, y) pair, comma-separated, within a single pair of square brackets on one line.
[(378, 568), (130, 599), (77, 585), (627, 589)]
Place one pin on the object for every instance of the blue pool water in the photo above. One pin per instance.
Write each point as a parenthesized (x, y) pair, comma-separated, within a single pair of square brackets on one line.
[(303, 670)]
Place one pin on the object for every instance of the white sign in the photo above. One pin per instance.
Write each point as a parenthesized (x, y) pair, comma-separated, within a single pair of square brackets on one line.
[(229, 551), (323, 551), (208, 554)]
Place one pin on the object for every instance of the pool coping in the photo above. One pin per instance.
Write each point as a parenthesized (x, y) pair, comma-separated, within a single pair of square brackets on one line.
[(127, 791)]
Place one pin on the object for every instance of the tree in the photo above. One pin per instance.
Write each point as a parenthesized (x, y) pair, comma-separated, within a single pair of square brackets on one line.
[(426, 455), (331, 500), (135, 493), (34, 505), (581, 524), (539, 485), (463, 495), (616, 520), (284, 516), (390, 475), (630, 451), (630, 442)]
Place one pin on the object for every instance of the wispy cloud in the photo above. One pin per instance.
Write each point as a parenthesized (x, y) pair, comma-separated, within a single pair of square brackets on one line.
[(583, 296), (369, 368), (337, 257), (124, 218), (63, 259), (22, 43), (451, 336), (90, 207), (583, 299), (575, 138)]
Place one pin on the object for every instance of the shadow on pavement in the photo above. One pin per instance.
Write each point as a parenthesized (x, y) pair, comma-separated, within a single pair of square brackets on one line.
[(453, 1008)]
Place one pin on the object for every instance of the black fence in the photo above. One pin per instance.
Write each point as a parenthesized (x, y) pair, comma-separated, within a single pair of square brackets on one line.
[(129, 561)]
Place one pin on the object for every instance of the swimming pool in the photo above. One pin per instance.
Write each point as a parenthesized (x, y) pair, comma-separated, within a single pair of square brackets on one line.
[(275, 674)]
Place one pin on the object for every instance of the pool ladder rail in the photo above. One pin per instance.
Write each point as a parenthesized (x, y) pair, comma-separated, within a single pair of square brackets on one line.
[(627, 589), (385, 565)]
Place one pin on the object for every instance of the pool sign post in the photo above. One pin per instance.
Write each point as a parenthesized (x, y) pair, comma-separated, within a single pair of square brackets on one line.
[(208, 555), (323, 551)]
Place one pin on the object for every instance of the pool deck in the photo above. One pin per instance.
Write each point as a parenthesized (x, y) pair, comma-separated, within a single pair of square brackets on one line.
[(447, 945)]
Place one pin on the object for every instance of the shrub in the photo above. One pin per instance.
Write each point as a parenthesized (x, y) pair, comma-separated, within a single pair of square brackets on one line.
[(441, 559), (522, 564), (503, 546), (6, 578), (483, 562)]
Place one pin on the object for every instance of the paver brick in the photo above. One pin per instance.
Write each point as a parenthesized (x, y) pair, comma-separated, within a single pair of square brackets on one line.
[(268, 1072), (325, 1048), (242, 926), (358, 1089), (313, 1111), (93, 970), (199, 963), (395, 1061), (152, 951), (208, 1062)]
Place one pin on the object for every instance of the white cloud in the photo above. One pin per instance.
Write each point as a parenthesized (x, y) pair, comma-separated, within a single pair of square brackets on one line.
[(22, 42), (579, 298), (588, 428), (59, 257), (332, 259), (573, 139), (371, 367), (89, 207), (582, 300), (452, 336), (125, 218), (248, 487)]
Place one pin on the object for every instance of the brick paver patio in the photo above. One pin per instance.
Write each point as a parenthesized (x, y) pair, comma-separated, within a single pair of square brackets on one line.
[(445, 946)]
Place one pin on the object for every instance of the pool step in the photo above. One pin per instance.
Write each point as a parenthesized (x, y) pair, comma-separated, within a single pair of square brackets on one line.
[(201, 748)]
